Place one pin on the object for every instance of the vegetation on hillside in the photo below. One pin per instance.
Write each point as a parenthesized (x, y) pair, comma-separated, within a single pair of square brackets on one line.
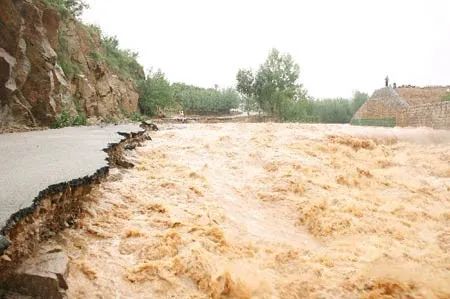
[(68, 8), (122, 61)]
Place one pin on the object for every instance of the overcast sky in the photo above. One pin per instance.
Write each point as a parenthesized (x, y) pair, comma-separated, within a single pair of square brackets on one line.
[(341, 46)]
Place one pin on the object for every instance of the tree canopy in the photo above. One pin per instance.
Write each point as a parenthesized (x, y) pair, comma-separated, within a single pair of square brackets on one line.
[(274, 85), (276, 89), (155, 92)]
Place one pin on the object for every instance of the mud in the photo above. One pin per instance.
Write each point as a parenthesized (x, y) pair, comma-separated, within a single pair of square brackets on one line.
[(269, 211)]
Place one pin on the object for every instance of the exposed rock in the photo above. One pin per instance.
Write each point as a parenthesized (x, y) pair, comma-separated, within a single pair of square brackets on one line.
[(149, 126), (43, 276), (4, 243), (34, 89)]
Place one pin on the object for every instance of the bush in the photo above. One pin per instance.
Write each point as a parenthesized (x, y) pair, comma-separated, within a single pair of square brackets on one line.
[(136, 117), (70, 68), (380, 122), (68, 8), (337, 110), (65, 120), (79, 120), (124, 62), (446, 98)]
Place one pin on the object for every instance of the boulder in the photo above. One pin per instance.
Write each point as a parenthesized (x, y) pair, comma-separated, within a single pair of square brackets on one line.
[(43, 276)]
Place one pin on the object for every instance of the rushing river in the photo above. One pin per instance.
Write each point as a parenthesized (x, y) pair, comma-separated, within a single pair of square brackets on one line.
[(270, 211)]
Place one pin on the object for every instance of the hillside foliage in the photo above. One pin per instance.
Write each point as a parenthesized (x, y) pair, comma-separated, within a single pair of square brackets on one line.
[(68, 8)]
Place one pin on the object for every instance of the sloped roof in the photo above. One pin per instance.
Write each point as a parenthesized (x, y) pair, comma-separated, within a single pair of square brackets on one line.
[(383, 103), (415, 95)]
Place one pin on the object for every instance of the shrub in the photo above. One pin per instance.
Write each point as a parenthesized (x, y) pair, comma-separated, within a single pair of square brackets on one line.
[(446, 98), (124, 62), (65, 120), (70, 68), (136, 116), (79, 120), (68, 8)]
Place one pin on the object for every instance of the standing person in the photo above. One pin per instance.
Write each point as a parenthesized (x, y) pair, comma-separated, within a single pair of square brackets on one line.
[(386, 80)]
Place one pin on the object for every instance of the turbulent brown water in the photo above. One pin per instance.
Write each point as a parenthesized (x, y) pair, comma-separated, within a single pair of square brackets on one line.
[(270, 211)]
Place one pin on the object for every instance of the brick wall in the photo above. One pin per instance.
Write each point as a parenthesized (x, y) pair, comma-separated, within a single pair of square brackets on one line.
[(434, 115)]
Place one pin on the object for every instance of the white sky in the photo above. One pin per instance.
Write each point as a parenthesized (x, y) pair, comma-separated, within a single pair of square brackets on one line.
[(340, 46)]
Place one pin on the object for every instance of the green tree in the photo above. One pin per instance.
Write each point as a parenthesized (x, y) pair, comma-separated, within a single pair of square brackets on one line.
[(276, 82), (274, 87), (245, 86), (359, 98), (196, 100), (155, 93)]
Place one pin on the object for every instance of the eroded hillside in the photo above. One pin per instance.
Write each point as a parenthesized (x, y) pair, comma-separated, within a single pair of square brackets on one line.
[(51, 63)]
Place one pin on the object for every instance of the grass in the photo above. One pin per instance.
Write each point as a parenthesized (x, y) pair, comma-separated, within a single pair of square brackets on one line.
[(70, 68), (379, 122), (446, 97)]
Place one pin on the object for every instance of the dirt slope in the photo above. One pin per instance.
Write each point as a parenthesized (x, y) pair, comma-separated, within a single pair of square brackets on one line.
[(270, 211)]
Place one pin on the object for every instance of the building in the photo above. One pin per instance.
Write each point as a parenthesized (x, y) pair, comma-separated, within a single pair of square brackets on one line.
[(406, 106)]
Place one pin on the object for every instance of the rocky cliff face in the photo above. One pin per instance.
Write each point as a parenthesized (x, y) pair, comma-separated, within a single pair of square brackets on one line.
[(34, 88)]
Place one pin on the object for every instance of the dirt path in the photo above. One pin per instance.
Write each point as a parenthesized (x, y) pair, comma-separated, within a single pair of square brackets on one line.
[(270, 211)]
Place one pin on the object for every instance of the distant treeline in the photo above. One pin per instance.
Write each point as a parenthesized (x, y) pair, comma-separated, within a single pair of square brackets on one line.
[(337, 110), (157, 96), (274, 89)]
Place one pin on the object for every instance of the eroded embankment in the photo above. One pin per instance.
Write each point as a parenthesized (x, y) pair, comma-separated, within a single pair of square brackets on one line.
[(57, 207), (269, 211)]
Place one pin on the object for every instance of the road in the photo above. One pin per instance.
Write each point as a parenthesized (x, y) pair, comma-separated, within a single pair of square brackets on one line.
[(32, 161)]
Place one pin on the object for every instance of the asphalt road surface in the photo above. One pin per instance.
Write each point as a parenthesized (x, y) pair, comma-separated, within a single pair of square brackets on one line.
[(32, 161)]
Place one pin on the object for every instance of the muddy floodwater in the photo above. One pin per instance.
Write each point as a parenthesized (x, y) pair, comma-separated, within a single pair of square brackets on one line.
[(270, 211)]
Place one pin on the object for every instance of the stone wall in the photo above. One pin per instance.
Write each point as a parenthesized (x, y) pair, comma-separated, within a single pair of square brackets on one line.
[(434, 115)]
